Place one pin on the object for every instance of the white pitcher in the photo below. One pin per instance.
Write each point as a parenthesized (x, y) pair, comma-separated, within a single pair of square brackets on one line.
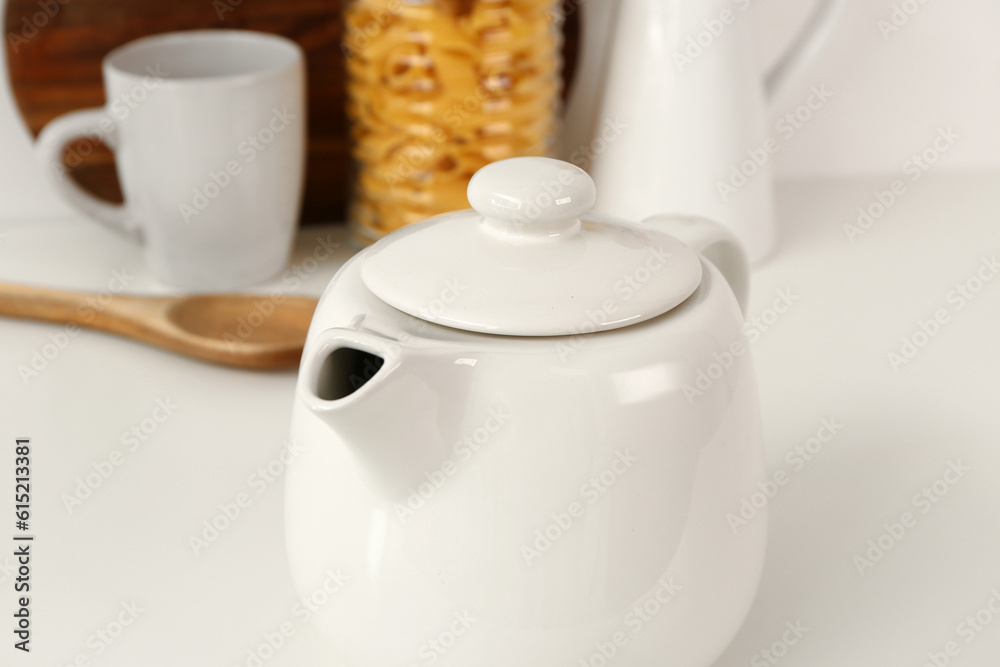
[(668, 107)]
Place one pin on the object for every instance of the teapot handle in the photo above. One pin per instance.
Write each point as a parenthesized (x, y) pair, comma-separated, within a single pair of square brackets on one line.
[(715, 243)]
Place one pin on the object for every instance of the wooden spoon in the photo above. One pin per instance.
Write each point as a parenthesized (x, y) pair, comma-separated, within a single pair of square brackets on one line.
[(250, 331)]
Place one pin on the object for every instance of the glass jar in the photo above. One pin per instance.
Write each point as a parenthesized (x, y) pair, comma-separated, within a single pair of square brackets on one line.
[(437, 89)]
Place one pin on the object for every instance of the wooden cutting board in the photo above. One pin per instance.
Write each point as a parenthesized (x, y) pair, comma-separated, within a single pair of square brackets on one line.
[(56, 68), (55, 47)]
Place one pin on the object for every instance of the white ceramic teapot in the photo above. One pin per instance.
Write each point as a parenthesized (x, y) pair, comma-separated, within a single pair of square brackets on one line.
[(525, 434)]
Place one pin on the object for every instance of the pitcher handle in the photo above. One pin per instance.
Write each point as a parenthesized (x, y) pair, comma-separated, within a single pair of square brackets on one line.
[(805, 47)]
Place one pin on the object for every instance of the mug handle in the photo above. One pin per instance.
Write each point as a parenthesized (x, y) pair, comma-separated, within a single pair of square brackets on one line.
[(716, 244), (48, 151)]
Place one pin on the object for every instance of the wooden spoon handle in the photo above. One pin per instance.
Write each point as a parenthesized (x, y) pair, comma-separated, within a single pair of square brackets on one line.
[(95, 311), (35, 303)]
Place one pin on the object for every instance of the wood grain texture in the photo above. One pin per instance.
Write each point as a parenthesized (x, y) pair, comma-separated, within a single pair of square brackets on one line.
[(207, 327), (54, 65)]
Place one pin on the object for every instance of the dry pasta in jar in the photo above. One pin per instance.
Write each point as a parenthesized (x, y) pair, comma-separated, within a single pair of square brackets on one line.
[(438, 89)]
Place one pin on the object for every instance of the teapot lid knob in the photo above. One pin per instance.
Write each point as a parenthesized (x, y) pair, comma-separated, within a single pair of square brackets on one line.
[(532, 198)]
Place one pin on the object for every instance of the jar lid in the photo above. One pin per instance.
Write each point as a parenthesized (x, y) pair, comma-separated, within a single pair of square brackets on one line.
[(527, 261)]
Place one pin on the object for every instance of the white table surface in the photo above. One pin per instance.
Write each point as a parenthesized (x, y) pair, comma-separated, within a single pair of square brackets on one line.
[(825, 358)]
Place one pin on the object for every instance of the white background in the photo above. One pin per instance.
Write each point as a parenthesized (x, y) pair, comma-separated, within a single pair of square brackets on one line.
[(890, 95)]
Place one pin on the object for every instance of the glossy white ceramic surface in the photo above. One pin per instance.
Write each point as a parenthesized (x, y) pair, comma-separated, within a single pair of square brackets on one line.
[(530, 261), (667, 119), (428, 484), (208, 130), (501, 500)]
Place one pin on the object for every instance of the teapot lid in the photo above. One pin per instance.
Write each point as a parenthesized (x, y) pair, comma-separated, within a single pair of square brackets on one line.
[(527, 261)]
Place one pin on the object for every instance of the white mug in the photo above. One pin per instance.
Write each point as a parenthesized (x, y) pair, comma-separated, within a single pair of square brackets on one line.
[(208, 130)]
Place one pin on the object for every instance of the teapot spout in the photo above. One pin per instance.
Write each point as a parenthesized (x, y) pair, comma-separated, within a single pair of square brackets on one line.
[(346, 364), (364, 388)]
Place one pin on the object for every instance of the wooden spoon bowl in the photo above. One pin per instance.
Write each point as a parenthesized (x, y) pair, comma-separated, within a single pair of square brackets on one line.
[(243, 330)]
